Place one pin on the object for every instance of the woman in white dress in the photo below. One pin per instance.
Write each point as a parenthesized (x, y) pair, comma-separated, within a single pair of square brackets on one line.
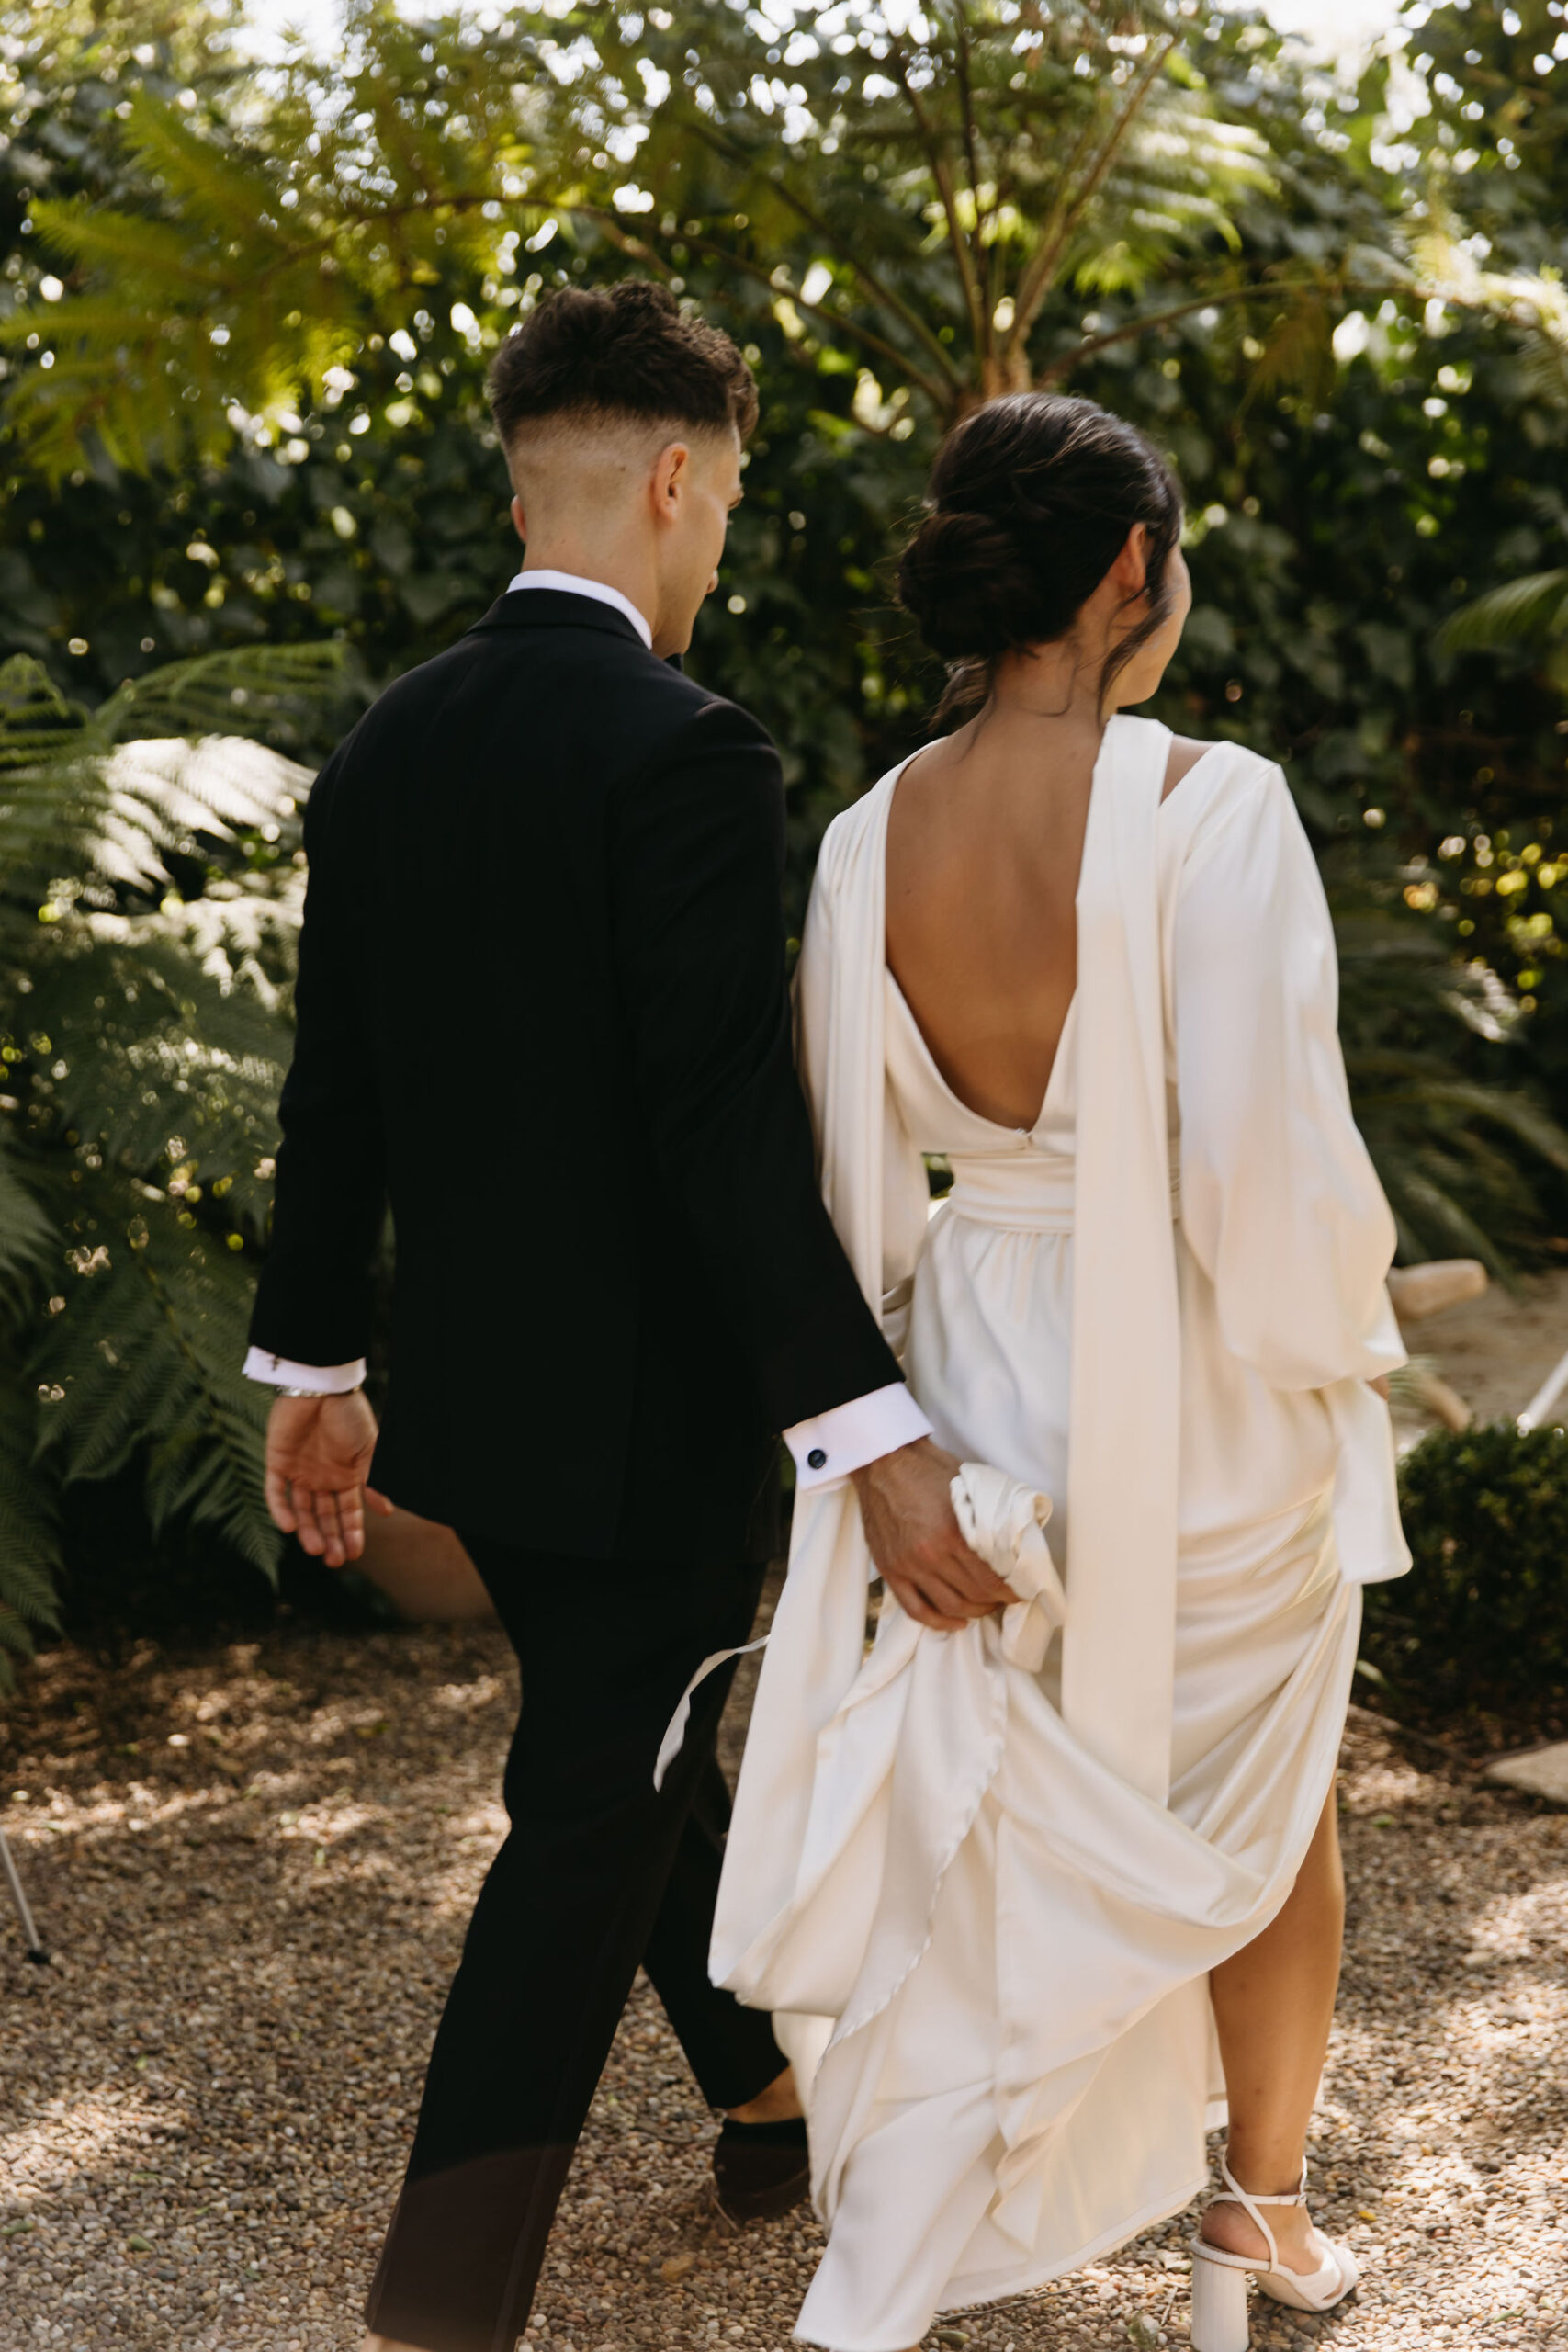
[(1039, 1895)]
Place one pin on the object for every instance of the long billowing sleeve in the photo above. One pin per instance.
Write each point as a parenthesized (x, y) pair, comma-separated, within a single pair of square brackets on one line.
[(1280, 1201)]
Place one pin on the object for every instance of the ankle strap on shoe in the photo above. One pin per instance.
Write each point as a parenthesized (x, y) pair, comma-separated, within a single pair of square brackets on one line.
[(1252, 2205)]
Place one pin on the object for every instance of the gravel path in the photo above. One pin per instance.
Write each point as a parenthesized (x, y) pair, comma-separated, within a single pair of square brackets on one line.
[(255, 1861)]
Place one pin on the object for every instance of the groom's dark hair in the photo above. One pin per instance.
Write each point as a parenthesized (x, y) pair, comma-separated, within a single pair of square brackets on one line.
[(628, 351)]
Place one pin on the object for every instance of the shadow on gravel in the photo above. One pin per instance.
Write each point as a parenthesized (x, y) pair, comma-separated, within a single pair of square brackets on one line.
[(255, 1857)]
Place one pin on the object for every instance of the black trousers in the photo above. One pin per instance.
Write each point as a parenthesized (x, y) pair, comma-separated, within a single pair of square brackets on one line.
[(597, 1874)]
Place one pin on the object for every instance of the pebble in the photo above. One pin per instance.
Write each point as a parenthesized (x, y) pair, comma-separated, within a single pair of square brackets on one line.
[(207, 2098)]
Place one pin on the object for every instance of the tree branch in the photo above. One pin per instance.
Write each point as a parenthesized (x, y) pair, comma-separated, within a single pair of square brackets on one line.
[(940, 394), (1034, 284), (957, 237), (1276, 290), (965, 92), (987, 251), (872, 284)]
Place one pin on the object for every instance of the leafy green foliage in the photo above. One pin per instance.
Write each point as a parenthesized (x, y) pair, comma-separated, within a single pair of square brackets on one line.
[(1532, 609), (1333, 520), (1483, 1617), (143, 1030), (946, 183), (1465, 1159), (944, 179), (289, 342)]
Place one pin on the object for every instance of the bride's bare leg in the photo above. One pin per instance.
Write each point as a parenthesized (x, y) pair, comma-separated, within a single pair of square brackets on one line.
[(1273, 2007)]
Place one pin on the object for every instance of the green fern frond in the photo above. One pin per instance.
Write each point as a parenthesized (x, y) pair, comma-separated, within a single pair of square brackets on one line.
[(1522, 612), (210, 182), (87, 321), (150, 1031), (218, 786), (72, 803), (29, 1543), (146, 1356), (59, 423), (1526, 1121), (36, 720), (1437, 1223), (86, 236), (241, 689), (151, 1042), (26, 1233)]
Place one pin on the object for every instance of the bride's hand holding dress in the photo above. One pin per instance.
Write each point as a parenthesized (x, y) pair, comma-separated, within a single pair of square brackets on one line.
[(906, 1505)]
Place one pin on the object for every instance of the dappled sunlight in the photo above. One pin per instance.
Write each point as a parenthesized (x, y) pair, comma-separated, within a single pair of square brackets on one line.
[(32, 2156), (208, 2095), (463, 1696), (208, 2098), (253, 284)]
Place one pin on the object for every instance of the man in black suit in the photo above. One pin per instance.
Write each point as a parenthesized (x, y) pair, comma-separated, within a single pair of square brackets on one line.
[(542, 1010)]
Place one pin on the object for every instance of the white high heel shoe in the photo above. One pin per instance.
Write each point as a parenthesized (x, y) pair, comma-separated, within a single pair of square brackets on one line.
[(1219, 2280)]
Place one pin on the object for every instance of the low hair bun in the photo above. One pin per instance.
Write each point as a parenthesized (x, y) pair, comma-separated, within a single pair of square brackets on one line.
[(962, 578), (1030, 502)]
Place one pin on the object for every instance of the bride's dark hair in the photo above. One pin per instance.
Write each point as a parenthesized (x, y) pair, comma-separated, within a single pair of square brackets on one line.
[(1029, 502)]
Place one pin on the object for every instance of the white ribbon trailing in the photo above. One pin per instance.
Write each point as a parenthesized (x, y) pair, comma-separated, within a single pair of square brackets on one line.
[(1005, 1525), (674, 1738)]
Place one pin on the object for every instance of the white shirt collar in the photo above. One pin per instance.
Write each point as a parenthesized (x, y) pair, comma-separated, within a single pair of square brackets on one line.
[(597, 589)]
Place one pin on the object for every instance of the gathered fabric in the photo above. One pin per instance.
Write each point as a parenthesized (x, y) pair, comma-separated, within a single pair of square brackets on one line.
[(982, 1878)]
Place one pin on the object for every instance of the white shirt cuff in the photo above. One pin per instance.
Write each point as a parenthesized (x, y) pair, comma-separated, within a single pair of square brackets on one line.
[(832, 1444), (319, 1379)]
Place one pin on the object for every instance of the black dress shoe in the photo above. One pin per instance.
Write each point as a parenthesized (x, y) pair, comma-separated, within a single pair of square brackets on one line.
[(761, 2170)]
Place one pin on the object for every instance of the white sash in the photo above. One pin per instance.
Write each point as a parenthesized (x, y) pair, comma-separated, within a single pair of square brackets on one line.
[(1119, 1641), (1118, 1649)]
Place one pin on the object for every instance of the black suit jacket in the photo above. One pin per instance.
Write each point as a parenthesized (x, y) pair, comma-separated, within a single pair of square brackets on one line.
[(542, 1005)]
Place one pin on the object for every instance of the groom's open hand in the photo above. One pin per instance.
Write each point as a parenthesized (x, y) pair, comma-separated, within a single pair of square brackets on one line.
[(318, 1455), (906, 1506)]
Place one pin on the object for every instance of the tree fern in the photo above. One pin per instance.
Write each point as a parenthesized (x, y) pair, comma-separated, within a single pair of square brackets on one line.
[(29, 1551), (25, 1236), (225, 188), (143, 1039), (964, 179), (260, 691), (142, 1360)]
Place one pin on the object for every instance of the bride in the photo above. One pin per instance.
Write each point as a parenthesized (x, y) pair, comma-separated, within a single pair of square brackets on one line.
[(1040, 1896)]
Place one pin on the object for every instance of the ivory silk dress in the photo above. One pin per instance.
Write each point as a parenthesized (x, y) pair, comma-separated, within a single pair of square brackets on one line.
[(986, 1891)]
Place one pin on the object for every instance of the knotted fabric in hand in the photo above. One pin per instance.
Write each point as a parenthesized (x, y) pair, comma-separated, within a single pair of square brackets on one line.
[(1005, 1524)]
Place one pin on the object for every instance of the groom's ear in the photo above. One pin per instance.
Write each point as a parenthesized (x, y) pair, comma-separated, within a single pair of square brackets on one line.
[(519, 520), (670, 479)]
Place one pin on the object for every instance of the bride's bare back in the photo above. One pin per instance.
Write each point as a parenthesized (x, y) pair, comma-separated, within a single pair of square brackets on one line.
[(985, 842)]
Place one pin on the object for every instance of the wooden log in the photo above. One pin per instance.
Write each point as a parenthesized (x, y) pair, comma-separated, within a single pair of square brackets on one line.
[(1418, 1291)]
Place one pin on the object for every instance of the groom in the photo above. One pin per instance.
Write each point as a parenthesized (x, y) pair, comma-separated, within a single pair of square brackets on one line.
[(542, 1010)]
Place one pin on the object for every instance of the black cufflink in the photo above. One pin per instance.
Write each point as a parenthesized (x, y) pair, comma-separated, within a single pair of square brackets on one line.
[(816, 1459)]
